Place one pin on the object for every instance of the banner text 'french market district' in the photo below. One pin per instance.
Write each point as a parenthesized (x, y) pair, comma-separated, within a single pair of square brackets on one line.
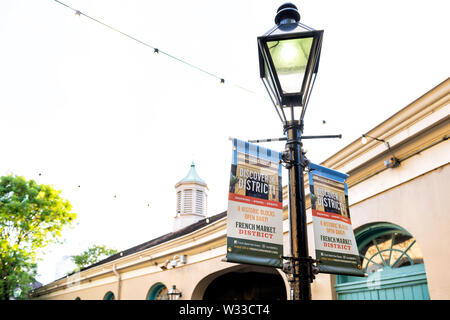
[(255, 206), (335, 243)]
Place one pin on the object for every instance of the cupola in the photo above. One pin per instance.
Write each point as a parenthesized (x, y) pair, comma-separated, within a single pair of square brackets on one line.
[(191, 196)]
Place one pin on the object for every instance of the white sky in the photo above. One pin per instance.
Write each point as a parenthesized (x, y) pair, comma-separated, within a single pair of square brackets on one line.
[(83, 105)]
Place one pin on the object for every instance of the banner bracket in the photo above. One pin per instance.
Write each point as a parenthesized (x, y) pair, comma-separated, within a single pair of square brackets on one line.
[(312, 266), (286, 159), (339, 136)]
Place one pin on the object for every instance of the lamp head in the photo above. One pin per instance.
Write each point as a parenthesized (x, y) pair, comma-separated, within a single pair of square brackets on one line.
[(174, 293), (288, 60)]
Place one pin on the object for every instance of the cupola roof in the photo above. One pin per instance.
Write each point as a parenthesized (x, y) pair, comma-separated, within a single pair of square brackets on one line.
[(192, 177)]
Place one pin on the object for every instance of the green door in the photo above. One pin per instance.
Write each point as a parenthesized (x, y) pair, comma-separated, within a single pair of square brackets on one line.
[(393, 261)]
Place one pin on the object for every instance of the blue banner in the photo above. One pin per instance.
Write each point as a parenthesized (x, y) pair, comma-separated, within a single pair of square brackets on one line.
[(255, 206), (336, 247)]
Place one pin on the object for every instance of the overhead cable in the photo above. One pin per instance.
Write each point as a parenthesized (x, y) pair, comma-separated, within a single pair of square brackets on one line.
[(155, 49)]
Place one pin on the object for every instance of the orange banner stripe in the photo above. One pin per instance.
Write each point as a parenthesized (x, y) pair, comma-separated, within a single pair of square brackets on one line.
[(329, 215), (255, 201)]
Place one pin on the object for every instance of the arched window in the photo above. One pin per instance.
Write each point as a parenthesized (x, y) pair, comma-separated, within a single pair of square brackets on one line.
[(391, 249), (157, 292), (109, 296), (394, 263)]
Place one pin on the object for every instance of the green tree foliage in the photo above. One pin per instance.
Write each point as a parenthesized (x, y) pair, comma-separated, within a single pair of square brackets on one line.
[(31, 216), (92, 255)]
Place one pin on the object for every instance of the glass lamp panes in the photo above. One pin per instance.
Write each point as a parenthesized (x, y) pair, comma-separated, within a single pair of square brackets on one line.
[(290, 58), (267, 77)]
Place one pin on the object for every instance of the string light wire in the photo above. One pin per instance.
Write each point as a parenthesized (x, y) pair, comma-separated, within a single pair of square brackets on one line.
[(155, 49)]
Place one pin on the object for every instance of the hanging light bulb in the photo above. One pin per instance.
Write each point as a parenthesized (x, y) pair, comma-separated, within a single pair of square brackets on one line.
[(363, 139)]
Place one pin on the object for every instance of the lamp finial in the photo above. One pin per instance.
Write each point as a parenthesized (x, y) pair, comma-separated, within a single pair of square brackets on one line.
[(287, 11)]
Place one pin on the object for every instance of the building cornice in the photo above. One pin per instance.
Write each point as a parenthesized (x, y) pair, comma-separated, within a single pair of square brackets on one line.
[(395, 129)]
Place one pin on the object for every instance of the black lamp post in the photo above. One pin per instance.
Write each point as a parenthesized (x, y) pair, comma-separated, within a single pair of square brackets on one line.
[(288, 59)]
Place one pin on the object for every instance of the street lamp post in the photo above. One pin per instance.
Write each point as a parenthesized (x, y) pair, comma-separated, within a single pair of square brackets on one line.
[(301, 267), (289, 58)]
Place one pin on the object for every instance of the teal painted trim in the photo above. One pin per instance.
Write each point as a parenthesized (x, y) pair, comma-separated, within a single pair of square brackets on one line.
[(391, 249), (414, 292), (370, 260), (404, 254), (109, 296), (154, 290), (396, 282), (378, 253), (367, 233), (390, 283), (401, 277)]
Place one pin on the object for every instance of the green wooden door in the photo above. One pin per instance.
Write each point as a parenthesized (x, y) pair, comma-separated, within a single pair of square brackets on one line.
[(393, 261), (407, 283)]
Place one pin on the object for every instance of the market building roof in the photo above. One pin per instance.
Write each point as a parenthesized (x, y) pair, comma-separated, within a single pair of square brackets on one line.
[(167, 237)]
